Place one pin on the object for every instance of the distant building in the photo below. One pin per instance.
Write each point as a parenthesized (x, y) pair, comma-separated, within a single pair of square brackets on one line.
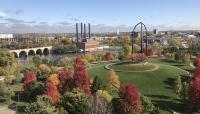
[(155, 31), (88, 45), (7, 38)]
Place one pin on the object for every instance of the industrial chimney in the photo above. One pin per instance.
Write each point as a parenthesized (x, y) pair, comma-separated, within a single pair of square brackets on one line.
[(89, 31), (81, 31), (77, 36), (84, 31)]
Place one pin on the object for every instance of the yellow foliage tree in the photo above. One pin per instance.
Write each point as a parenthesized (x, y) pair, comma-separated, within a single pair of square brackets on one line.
[(44, 69), (113, 81), (54, 79)]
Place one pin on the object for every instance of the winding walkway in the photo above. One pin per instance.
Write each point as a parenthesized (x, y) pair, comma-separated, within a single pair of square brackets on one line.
[(150, 70)]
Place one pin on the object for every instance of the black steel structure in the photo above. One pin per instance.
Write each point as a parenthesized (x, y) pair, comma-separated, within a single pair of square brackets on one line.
[(81, 31), (89, 31), (141, 36)]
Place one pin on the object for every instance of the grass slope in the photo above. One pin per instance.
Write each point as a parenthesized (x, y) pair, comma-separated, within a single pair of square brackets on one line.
[(158, 84)]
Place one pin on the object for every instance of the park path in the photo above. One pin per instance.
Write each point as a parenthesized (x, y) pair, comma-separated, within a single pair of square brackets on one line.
[(6, 110)]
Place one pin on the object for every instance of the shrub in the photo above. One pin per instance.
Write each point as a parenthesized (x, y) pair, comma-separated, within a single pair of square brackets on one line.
[(43, 105), (104, 94), (34, 89), (75, 103), (138, 57), (148, 106)]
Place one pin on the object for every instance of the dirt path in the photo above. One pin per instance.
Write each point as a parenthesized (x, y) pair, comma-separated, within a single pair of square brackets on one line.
[(6, 110)]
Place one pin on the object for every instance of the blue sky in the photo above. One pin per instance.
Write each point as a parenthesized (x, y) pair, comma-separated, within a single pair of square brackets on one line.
[(21, 16)]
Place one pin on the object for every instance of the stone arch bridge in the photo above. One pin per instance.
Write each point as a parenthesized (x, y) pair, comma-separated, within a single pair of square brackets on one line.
[(32, 51)]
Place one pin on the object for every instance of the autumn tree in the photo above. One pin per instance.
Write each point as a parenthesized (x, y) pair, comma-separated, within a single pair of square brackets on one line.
[(54, 79), (113, 81), (51, 90), (178, 86), (129, 102), (194, 87), (66, 79), (29, 77), (197, 62), (81, 79), (108, 56), (96, 85)]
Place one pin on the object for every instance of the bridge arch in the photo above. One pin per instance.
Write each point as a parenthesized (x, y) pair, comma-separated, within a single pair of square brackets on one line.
[(23, 54), (46, 51), (31, 53), (39, 52)]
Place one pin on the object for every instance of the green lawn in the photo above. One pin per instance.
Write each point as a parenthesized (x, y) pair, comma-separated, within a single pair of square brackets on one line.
[(158, 84)]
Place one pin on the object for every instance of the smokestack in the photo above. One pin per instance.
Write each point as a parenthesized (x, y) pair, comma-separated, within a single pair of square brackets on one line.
[(77, 37), (84, 31), (81, 31), (89, 30)]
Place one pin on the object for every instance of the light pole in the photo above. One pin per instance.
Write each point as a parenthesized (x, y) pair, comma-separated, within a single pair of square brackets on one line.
[(141, 36)]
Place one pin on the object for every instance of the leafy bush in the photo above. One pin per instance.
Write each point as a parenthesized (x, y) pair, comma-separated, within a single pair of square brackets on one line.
[(148, 106), (35, 89), (138, 57), (104, 94), (43, 105), (75, 103)]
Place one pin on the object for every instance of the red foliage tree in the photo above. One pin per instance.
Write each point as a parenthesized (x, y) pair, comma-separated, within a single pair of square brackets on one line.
[(130, 102), (78, 60), (29, 77), (197, 62), (81, 79), (108, 56), (194, 87), (65, 78), (51, 90)]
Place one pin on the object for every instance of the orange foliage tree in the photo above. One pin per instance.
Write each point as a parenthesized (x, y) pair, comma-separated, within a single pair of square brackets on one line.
[(54, 79), (51, 90)]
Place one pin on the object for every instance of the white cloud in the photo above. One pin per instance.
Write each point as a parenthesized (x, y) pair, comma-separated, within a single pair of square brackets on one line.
[(2, 14)]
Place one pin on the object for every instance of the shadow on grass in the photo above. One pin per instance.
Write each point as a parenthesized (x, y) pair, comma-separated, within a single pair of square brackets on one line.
[(158, 96), (169, 82), (170, 105)]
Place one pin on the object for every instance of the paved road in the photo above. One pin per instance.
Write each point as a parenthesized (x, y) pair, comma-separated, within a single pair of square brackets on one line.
[(5, 110)]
